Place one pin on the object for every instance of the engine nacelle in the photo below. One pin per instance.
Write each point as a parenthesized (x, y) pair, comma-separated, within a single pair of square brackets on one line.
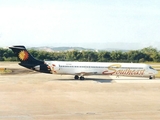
[(43, 68), (37, 68)]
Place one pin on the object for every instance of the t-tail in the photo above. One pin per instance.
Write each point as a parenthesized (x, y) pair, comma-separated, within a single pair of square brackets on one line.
[(28, 61)]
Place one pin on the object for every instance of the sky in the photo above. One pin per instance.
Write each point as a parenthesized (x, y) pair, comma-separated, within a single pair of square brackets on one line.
[(100, 24)]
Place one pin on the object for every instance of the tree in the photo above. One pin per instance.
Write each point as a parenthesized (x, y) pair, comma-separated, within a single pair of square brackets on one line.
[(143, 55), (104, 56), (116, 55), (152, 53)]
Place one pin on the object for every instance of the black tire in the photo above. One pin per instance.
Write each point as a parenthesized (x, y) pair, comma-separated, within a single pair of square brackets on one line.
[(81, 78), (76, 77), (150, 77)]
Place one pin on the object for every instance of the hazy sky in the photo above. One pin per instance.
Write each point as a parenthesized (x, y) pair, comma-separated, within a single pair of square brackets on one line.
[(130, 24)]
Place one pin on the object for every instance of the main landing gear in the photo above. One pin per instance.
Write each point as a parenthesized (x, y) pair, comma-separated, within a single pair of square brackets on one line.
[(76, 77)]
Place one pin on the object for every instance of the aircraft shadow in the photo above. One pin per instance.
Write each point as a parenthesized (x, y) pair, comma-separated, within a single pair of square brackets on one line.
[(135, 79), (89, 79), (100, 80)]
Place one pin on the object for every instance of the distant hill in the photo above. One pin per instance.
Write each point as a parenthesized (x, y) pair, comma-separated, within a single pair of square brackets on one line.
[(60, 49)]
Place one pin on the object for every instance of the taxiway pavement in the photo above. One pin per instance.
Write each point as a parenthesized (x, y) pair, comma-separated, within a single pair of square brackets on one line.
[(39, 96)]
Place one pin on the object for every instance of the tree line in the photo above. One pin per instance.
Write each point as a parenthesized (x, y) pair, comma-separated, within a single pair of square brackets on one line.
[(148, 54)]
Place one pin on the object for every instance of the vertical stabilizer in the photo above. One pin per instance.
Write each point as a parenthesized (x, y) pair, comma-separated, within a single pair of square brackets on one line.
[(27, 60)]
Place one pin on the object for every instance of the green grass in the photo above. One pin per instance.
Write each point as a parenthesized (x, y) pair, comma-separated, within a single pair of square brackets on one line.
[(5, 71), (158, 75)]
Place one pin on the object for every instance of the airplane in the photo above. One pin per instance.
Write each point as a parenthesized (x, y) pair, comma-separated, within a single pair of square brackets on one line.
[(81, 69)]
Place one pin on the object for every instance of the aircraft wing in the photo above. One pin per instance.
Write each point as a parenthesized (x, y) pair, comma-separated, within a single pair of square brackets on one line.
[(86, 73)]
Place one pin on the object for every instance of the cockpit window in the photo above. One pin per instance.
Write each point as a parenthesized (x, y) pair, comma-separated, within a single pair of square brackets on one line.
[(150, 67)]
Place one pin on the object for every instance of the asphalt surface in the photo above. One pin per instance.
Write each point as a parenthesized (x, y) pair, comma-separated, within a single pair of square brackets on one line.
[(36, 96)]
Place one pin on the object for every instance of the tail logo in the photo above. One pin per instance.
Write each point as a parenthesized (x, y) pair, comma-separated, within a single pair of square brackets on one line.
[(23, 55)]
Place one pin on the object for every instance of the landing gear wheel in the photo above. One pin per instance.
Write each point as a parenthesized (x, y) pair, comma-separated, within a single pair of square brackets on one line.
[(76, 77), (150, 77), (81, 78)]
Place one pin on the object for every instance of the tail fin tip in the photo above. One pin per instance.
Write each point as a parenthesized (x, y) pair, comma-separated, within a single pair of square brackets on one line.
[(18, 46)]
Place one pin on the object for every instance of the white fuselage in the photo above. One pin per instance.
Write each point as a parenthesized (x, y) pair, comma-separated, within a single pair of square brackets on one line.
[(100, 68)]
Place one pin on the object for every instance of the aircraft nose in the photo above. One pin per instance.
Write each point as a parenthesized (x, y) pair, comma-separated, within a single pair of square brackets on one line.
[(155, 71)]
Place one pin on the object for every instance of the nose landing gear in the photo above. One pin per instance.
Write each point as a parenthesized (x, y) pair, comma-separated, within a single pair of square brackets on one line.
[(151, 77)]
